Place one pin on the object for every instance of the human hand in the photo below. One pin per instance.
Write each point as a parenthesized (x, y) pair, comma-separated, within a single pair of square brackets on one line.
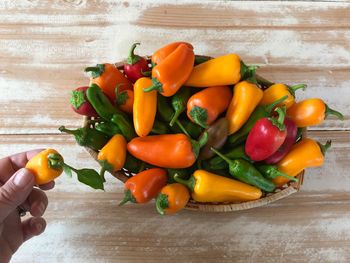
[(17, 188)]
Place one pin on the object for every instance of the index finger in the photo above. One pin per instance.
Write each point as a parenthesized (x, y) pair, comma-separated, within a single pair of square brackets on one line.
[(11, 164)]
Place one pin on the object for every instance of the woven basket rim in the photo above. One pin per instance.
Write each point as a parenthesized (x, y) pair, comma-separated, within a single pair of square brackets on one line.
[(279, 193)]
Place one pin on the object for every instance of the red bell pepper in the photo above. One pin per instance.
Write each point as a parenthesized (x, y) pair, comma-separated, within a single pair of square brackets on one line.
[(266, 136), (136, 67), (292, 131)]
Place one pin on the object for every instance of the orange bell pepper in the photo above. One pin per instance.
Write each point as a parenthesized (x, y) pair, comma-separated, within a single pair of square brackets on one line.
[(311, 112), (165, 51), (108, 77), (246, 96), (206, 105), (144, 108), (224, 70), (46, 166), (144, 186), (169, 75), (306, 153), (166, 150), (112, 156), (172, 198), (279, 90)]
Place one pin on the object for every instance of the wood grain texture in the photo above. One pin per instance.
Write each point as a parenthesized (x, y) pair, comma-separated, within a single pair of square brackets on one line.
[(44, 47)]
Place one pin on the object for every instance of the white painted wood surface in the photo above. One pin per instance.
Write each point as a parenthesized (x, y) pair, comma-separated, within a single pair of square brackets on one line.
[(44, 46)]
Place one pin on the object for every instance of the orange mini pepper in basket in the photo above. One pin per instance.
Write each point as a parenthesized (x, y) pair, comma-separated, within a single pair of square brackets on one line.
[(172, 198), (108, 77), (166, 50), (125, 100), (144, 186), (169, 75), (206, 105)]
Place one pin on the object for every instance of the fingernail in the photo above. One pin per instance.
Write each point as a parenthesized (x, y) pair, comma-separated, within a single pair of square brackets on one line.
[(22, 178)]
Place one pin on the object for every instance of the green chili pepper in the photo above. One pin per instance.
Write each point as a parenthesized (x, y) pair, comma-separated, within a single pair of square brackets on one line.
[(218, 132), (200, 59), (88, 137), (182, 173), (271, 172), (179, 103), (108, 128), (217, 163), (132, 164), (259, 112), (159, 127), (107, 111), (247, 173)]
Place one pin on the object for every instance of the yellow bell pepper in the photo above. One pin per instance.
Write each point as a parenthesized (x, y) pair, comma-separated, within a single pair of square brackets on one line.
[(112, 156), (279, 90), (220, 71), (145, 107), (209, 187), (306, 153), (246, 97)]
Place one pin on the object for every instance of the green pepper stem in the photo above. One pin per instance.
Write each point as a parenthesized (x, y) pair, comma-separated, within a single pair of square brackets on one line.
[(64, 129), (128, 197), (324, 147), (279, 122), (162, 203), (175, 117), (91, 69), (190, 183), (197, 145), (293, 89), (276, 172), (182, 128), (70, 167), (221, 155), (132, 58), (247, 71), (203, 139), (156, 85), (270, 107), (96, 71), (330, 111), (263, 81), (55, 161)]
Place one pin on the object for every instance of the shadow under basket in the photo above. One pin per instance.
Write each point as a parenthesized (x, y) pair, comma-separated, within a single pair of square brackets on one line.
[(279, 193)]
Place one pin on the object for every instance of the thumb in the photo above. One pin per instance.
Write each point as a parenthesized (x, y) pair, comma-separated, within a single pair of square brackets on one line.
[(15, 191)]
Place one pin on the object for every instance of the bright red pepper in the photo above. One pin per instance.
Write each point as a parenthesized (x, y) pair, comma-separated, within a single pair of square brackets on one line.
[(144, 186), (292, 130), (135, 66), (80, 103), (266, 137)]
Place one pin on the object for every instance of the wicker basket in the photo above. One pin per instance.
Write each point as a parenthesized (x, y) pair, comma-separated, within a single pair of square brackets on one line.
[(279, 193)]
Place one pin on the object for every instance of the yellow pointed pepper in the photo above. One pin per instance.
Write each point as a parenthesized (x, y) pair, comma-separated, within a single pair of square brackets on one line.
[(145, 107), (279, 90), (246, 97), (220, 71), (209, 187), (306, 153), (112, 156)]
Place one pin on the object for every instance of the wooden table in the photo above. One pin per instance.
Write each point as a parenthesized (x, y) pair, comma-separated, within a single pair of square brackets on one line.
[(45, 45)]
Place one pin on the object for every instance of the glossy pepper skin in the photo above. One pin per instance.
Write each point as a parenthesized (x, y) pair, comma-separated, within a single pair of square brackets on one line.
[(144, 108), (271, 171), (311, 112), (167, 150), (87, 137), (112, 156), (266, 137), (220, 71), (169, 75), (108, 112), (292, 130), (125, 100), (46, 166), (80, 103), (247, 173), (209, 187), (107, 77), (172, 198), (144, 186), (278, 90), (245, 99), (306, 153), (259, 112), (166, 50), (135, 66), (205, 106), (108, 128)]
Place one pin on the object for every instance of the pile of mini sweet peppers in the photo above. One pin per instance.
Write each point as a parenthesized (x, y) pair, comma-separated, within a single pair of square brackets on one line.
[(194, 127)]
